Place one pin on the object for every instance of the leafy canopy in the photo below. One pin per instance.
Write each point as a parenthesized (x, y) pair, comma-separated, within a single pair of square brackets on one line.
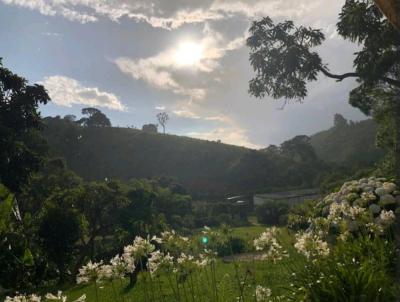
[(284, 59), (21, 147)]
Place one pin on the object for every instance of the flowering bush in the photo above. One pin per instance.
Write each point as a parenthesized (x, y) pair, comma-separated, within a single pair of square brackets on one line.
[(268, 243), (366, 205), (47, 297)]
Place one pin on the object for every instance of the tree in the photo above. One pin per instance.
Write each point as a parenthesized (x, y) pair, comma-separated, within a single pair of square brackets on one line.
[(21, 146), (59, 230), (339, 121), (163, 118), (283, 57), (95, 118), (150, 128), (70, 117), (299, 149), (99, 204)]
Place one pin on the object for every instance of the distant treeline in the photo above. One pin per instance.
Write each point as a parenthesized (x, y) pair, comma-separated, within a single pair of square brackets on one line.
[(208, 168)]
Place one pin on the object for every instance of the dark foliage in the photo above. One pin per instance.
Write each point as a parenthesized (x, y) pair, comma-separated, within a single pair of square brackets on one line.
[(21, 148)]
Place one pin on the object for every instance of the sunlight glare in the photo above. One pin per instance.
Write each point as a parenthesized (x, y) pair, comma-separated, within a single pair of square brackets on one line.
[(188, 54)]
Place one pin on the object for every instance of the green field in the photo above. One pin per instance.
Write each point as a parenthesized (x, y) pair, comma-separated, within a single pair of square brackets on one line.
[(199, 286)]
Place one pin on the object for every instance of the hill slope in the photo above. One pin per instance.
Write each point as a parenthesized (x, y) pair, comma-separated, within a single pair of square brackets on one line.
[(348, 144), (206, 168)]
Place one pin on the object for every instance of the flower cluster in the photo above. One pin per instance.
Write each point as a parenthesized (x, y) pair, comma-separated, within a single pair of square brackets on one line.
[(311, 245), (262, 293), (368, 202), (160, 262), (23, 298), (268, 243), (133, 253), (48, 297), (91, 272)]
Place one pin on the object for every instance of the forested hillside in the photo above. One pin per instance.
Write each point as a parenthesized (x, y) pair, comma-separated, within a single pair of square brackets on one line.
[(206, 168), (348, 143)]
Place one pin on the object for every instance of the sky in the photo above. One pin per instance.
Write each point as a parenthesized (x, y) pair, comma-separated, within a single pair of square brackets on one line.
[(133, 59)]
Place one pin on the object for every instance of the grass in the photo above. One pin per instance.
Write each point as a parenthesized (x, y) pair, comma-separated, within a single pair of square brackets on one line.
[(265, 273)]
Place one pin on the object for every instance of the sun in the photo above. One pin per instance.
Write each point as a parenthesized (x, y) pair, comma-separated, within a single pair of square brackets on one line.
[(188, 54)]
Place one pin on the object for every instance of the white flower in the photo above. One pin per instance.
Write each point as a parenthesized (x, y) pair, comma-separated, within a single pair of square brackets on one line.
[(23, 298), (387, 218), (90, 272), (262, 293), (184, 263), (268, 243), (140, 248), (159, 261), (81, 299), (311, 245), (119, 267), (59, 297)]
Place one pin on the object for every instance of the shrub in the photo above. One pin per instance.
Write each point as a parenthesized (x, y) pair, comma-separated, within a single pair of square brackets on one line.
[(357, 270), (272, 212)]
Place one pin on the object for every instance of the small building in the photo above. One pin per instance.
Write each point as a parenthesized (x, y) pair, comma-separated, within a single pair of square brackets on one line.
[(291, 197)]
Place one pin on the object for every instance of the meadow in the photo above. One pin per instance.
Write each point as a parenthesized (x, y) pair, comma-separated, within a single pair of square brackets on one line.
[(252, 272)]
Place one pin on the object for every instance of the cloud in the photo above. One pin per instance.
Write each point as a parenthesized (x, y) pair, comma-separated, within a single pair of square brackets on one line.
[(228, 135), (65, 91), (160, 108), (165, 71), (185, 113), (169, 14), (154, 71)]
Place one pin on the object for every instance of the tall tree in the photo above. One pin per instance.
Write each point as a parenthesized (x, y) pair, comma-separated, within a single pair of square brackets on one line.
[(95, 118), (162, 118), (284, 59), (21, 146)]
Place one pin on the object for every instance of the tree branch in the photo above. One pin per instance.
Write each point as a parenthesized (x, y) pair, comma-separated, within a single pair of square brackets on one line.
[(341, 77)]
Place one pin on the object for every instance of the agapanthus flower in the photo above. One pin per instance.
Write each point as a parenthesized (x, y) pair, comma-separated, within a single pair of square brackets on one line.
[(23, 298), (311, 245), (268, 243), (90, 272), (59, 297), (387, 218), (159, 262), (141, 247), (184, 263), (262, 293), (119, 267)]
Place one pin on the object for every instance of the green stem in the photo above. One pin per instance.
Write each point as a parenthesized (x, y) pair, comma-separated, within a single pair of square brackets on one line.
[(96, 292), (146, 295)]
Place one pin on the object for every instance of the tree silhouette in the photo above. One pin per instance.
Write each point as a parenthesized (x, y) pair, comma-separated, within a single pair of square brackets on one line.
[(284, 59), (21, 146), (95, 118), (162, 118)]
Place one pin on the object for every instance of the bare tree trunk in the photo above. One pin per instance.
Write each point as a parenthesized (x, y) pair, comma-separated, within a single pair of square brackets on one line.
[(391, 9)]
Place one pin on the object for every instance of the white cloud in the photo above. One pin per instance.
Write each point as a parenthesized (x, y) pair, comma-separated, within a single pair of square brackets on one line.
[(160, 108), (65, 91), (229, 135), (153, 12), (164, 70), (154, 71)]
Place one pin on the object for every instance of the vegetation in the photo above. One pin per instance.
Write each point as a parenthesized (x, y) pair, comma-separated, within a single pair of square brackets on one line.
[(133, 225), (210, 169), (283, 58)]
